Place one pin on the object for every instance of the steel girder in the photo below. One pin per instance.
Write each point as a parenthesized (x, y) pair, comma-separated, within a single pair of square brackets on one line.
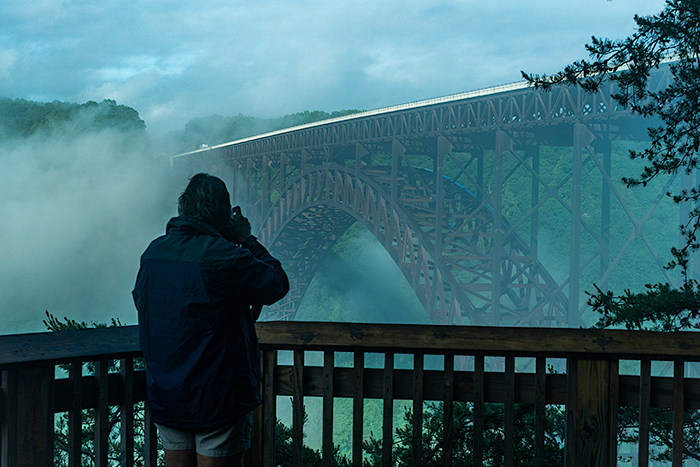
[(452, 278), (429, 181), (544, 115)]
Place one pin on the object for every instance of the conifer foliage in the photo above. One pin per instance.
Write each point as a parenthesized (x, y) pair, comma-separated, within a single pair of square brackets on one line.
[(668, 39)]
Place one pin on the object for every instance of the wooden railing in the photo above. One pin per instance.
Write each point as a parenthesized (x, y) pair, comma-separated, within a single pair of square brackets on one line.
[(478, 365)]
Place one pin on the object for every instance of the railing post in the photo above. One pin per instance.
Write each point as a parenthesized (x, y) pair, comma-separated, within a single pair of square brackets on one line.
[(27, 417), (298, 409), (591, 422), (254, 456)]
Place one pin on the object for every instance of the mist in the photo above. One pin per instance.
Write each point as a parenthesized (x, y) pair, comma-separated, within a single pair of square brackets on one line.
[(358, 281), (80, 204), (78, 208)]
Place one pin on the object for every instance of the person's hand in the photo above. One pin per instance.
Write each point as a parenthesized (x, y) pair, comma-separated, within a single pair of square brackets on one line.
[(239, 227)]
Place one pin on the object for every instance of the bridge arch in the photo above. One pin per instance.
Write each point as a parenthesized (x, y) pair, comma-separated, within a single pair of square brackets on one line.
[(320, 204)]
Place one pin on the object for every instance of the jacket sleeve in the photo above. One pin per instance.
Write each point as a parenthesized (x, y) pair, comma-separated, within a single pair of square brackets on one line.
[(278, 287), (247, 274)]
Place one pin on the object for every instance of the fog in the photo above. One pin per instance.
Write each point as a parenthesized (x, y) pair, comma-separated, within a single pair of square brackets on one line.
[(78, 207), (77, 210), (358, 281)]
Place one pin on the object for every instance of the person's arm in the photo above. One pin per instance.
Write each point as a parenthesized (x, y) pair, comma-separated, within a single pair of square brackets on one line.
[(262, 276), (280, 285)]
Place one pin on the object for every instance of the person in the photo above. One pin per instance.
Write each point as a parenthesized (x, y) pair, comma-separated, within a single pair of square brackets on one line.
[(198, 292)]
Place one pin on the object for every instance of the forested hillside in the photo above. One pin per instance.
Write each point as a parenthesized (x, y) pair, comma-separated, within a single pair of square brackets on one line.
[(20, 118)]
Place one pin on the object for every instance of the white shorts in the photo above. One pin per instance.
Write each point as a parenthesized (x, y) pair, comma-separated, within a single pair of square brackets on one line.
[(221, 442)]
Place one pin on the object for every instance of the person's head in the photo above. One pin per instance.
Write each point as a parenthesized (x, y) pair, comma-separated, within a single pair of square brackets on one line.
[(207, 199)]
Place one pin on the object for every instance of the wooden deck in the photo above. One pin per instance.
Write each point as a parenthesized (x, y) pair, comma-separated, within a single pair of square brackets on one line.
[(478, 366)]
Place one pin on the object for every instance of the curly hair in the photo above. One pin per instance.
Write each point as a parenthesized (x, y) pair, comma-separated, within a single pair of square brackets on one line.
[(207, 199)]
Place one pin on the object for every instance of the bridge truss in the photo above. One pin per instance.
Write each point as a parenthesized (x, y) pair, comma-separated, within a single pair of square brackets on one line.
[(441, 184)]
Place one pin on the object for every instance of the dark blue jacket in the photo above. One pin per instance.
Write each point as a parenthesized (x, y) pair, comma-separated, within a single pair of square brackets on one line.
[(194, 293)]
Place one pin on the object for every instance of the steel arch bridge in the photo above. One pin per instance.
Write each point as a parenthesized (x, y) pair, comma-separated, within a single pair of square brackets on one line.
[(434, 182)]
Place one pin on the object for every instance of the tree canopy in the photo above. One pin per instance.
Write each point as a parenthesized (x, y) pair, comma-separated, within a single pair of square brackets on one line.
[(670, 38), (21, 118)]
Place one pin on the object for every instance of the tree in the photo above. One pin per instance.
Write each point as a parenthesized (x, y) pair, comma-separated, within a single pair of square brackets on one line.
[(20, 119), (669, 39), (310, 457), (433, 438), (87, 435)]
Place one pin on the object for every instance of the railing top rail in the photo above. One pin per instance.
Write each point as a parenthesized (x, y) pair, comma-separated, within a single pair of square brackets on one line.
[(65, 346), (486, 340), (117, 342)]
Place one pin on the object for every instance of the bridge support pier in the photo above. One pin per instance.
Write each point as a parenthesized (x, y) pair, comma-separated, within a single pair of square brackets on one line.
[(503, 144), (582, 138)]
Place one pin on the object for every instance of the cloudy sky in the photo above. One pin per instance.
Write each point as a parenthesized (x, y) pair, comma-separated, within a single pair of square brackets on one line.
[(173, 60)]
